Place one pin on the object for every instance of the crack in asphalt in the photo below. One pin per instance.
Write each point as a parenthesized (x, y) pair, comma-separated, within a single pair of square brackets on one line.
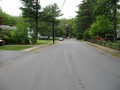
[(71, 65)]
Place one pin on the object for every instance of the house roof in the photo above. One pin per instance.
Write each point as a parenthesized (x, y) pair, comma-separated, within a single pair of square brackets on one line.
[(7, 27)]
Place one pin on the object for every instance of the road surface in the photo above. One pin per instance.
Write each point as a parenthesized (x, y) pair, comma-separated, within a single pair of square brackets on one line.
[(68, 65)]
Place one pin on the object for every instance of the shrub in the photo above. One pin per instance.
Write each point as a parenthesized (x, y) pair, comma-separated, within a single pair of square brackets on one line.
[(114, 45), (86, 35), (20, 35), (101, 27), (6, 36), (79, 36)]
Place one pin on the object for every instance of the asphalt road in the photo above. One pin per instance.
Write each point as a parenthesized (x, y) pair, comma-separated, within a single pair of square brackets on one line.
[(68, 65)]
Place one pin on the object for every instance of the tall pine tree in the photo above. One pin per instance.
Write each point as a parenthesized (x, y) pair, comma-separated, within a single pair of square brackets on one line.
[(30, 10), (85, 15)]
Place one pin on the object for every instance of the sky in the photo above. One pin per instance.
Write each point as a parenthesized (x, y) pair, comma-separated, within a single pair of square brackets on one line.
[(12, 6)]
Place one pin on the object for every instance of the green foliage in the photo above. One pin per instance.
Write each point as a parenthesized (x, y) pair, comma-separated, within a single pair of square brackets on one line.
[(90, 10), (7, 19), (20, 35), (103, 7), (87, 35), (85, 15), (17, 36), (49, 16), (45, 28), (108, 8), (67, 28), (6, 36), (50, 13), (79, 36), (114, 45), (62, 27), (101, 27), (31, 11)]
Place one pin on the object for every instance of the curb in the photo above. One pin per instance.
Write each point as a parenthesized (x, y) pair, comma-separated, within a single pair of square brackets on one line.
[(36, 47), (106, 49)]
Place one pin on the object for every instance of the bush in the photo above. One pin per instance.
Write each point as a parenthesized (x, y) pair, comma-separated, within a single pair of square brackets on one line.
[(79, 36), (86, 35), (102, 42), (20, 35), (6, 36), (101, 27), (114, 45)]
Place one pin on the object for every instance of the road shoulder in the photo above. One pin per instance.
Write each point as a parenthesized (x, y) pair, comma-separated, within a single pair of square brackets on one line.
[(36, 47), (106, 49)]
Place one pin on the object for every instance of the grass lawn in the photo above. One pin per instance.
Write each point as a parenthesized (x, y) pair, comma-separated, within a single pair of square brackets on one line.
[(14, 47), (21, 47), (44, 42)]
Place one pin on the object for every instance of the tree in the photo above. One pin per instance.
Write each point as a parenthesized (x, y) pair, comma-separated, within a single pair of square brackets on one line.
[(114, 2), (31, 11), (20, 34), (85, 16), (103, 7), (96, 8), (46, 21), (61, 28), (7, 19), (108, 8), (67, 27), (51, 12), (101, 27)]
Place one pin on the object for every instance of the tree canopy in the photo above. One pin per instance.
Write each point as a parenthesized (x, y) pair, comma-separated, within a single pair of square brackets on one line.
[(90, 10), (6, 19)]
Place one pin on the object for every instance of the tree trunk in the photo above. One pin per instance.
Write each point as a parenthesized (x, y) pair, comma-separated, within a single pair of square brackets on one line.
[(36, 21), (114, 19), (53, 28)]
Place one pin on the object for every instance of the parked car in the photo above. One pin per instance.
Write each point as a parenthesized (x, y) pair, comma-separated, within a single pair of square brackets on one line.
[(2, 42), (60, 39), (43, 37)]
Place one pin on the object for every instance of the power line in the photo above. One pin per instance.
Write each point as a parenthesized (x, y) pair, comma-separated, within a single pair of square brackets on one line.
[(63, 5)]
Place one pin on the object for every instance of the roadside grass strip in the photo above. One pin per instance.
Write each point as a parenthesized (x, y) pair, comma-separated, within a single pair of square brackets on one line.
[(15, 47), (40, 42)]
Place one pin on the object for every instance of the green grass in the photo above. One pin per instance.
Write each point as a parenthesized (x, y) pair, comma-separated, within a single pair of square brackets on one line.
[(40, 42), (14, 47), (22, 47)]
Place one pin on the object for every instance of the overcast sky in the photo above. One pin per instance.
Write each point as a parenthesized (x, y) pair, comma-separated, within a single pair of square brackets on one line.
[(12, 6)]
